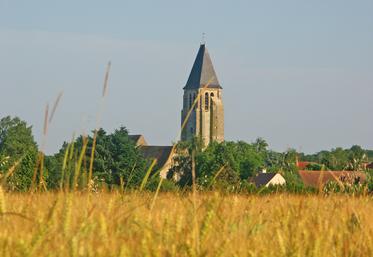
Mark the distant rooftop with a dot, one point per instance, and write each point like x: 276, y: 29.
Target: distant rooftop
x: 262, y: 179
x: 161, y: 153
x: 138, y: 139
x: 316, y: 178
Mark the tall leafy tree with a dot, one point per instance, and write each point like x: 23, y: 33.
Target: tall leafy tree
x: 221, y: 164
x: 357, y: 157
x: 116, y: 160
x: 17, y: 144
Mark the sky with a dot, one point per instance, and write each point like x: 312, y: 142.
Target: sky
x: 297, y: 73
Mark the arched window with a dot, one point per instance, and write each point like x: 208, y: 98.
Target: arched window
x: 190, y: 101
x: 207, y: 101
x: 212, y: 95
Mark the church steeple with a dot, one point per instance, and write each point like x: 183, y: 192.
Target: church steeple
x: 202, y: 71
x: 205, y: 118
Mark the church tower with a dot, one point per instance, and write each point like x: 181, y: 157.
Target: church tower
x: 206, y: 118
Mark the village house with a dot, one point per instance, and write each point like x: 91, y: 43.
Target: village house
x: 265, y: 179
x: 163, y: 155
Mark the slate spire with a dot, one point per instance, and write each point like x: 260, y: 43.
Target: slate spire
x: 202, y: 71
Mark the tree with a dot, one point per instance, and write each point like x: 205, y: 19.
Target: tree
x: 17, y: 144
x: 116, y: 160
x: 357, y: 156
x: 260, y: 145
x: 222, y: 165
x: 125, y: 160
x: 181, y: 171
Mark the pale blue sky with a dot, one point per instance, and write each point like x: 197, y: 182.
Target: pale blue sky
x: 297, y: 73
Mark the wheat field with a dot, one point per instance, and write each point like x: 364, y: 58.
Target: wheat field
x: 208, y: 224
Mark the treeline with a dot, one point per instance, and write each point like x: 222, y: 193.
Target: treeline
x: 112, y: 161
x: 354, y: 158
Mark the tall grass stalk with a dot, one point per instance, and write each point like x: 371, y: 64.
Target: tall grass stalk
x: 193, y: 106
x: 41, y: 155
x: 195, y: 220
x: 78, y: 165
x: 2, y: 201
x: 147, y: 174
x: 64, y: 163
x: 216, y: 175
x: 156, y: 194
x: 98, y: 120
x: 173, y: 150
x: 11, y: 170
x: 42, y: 184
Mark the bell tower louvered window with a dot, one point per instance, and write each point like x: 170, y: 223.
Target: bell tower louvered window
x: 207, y: 101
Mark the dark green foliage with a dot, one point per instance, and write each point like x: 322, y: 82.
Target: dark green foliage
x: 340, y: 159
x: 166, y: 186
x: 116, y: 159
x: 17, y: 144
x: 239, y: 159
x: 226, y: 166
x: 370, y: 183
x: 369, y: 155
x: 220, y: 165
x: 315, y: 166
x: 334, y: 187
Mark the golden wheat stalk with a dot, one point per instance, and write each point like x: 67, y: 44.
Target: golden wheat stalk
x: 104, y: 91
x: 216, y: 175
x: 181, y: 130
x: 79, y: 163
x: 187, y: 117
x: 40, y: 159
x: 55, y: 105
x: 64, y: 162
x: 145, y: 179
x: 156, y: 194
x: 42, y: 155
x: 11, y: 170
x: 193, y: 105
x: 2, y: 200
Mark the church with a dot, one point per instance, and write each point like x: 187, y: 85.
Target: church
x: 202, y: 114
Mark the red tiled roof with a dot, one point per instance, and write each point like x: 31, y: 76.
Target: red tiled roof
x: 315, y: 178
x: 302, y: 165
x: 370, y: 165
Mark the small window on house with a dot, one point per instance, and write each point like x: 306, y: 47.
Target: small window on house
x: 207, y: 101
x: 190, y: 101
x: 191, y: 130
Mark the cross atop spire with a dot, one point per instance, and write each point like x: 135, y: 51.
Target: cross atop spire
x: 202, y: 71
